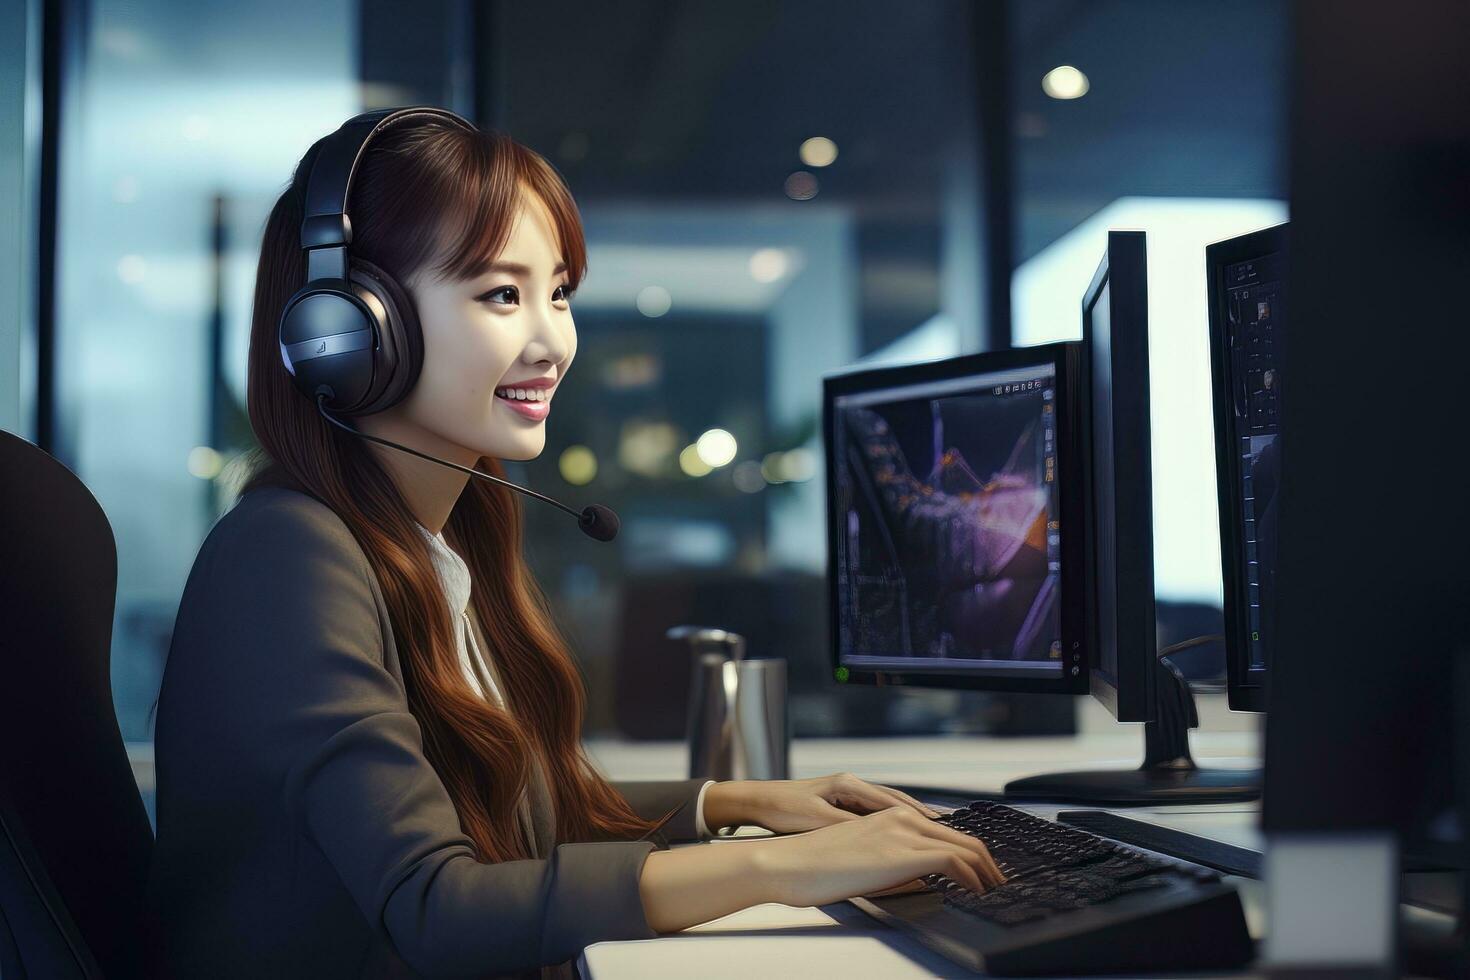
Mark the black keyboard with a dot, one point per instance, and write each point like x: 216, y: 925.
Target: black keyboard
x: 1072, y: 903
x: 1050, y: 867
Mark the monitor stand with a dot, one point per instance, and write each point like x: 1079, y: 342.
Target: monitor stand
x: 1168, y: 774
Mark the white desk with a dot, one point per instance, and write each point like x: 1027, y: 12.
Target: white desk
x: 838, y: 940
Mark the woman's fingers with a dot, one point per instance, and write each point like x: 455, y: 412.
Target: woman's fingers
x: 952, y: 865
x: 925, y: 810
x: 992, y: 872
x: 869, y: 796
x: 974, y: 847
x: 876, y: 797
x: 984, y: 867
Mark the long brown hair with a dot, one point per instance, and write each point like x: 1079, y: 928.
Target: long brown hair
x: 423, y: 184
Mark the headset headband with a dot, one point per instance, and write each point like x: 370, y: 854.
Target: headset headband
x: 326, y: 229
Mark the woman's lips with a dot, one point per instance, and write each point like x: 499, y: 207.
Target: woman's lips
x: 531, y: 410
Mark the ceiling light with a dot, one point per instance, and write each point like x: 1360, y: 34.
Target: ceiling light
x: 1065, y: 82
x: 801, y: 186
x: 818, y: 151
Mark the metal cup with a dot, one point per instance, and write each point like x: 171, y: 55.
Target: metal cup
x: 712, y: 694
x: 762, y: 740
x: 737, y: 722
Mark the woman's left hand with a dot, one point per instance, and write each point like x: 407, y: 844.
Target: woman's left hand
x: 793, y: 805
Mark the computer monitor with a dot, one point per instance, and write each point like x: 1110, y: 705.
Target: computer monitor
x: 953, y: 523
x: 1248, y: 314
x: 936, y: 572
x: 1126, y: 671
x: 1118, y: 469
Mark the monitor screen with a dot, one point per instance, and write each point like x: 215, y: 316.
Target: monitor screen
x: 1252, y: 319
x: 948, y: 526
x: 1248, y: 300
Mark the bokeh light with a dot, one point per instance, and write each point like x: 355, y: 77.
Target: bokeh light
x: 654, y: 301
x: 818, y: 151
x: 801, y: 186
x: 1065, y: 82
x: 690, y: 462
x: 205, y: 462
x: 578, y: 465
x: 768, y: 264
x: 716, y: 447
x: 798, y: 465
x: 747, y: 477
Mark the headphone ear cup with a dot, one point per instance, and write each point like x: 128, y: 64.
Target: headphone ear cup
x: 400, y: 354
x: 327, y: 339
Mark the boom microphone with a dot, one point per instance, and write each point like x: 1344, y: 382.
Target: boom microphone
x: 595, y: 520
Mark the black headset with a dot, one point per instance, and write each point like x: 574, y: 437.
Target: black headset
x: 351, y: 332
x: 350, y: 338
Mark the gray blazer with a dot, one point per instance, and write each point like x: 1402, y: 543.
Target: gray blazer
x: 300, y: 830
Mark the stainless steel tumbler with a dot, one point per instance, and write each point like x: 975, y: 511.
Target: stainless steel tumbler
x: 737, y: 725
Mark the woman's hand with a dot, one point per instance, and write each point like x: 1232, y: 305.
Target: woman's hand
x: 793, y: 805
x: 882, y: 852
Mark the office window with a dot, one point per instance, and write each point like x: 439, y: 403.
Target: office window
x: 183, y: 124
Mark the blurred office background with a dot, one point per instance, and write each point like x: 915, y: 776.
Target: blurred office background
x: 771, y: 190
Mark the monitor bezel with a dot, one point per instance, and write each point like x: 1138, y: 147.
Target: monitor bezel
x: 1132, y: 695
x: 1242, y: 692
x: 1064, y: 359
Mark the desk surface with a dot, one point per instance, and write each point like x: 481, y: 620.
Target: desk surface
x: 838, y: 940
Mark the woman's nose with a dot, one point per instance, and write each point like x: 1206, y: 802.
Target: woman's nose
x: 549, y: 341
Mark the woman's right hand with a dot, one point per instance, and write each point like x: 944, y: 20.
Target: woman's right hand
x: 870, y: 853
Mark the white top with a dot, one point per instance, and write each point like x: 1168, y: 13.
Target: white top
x: 454, y: 576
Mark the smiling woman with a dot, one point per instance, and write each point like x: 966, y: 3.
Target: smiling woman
x: 326, y: 724
x: 497, y: 343
x: 368, y: 756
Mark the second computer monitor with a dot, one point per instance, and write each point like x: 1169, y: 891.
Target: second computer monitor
x: 1118, y: 469
x: 953, y: 517
x: 1247, y: 283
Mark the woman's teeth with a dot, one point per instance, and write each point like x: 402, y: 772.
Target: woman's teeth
x: 523, y: 394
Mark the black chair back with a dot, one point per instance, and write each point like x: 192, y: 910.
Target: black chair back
x: 75, y: 841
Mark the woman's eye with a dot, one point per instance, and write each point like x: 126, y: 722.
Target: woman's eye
x: 561, y: 295
x: 512, y: 294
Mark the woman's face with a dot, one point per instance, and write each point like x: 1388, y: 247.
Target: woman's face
x: 492, y: 341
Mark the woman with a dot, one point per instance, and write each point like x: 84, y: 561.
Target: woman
x: 368, y: 754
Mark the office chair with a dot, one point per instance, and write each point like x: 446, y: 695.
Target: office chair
x: 75, y: 841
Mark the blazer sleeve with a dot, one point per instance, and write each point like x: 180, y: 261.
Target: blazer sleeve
x: 297, y: 630
x: 652, y: 798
